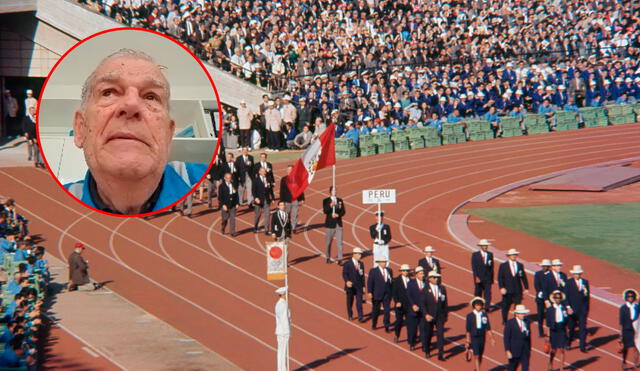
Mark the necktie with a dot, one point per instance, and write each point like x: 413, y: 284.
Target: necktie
x: 384, y: 274
x: 557, y: 278
x: 521, y: 326
x: 513, y: 268
x: 420, y: 285
x: 579, y: 285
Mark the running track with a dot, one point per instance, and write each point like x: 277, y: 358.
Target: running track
x: 213, y: 287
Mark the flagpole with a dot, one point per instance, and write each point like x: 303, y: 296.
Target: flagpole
x: 334, y: 176
x: 286, y: 284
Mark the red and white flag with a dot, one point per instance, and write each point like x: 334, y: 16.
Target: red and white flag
x: 320, y: 154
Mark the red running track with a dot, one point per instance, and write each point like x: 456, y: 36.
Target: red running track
x: 213, y: 287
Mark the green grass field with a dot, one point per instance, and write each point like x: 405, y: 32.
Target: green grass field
x: 609, y: 232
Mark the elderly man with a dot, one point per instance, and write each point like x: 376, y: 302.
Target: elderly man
x: 578, y: 298
x: 125, y: 129
x: 379, y: 292
x: 273, y: 122
x: 244, y: 124
x: 353, y: 276
x: 512, y: 281
x: 517, y: 339
x: 283, y: 329
x: 482, y: 266
x: 79, y: 270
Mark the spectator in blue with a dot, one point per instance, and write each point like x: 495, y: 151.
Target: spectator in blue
x: 435, y: 122
x: 364, y: 129
x: 290, y: 133
x: 21, y: 253
x: 7, y: 245
x: 618, y: 89
x: 623, y: 99
x: 494, y: 122
x: 635, y: 89
x: 596, y: 102
x: 14, y: 353
x: 518, y: 112
x: 396, y: 125
x: 560, y: 97
x: 571, y: 107
x: 352, y: 133
x: 591, y: 93
x: 548, y: 111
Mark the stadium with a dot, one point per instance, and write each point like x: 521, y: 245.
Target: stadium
x: 510, y: 126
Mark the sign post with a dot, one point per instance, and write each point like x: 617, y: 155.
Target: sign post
x: 379, y: 196
x: 277, y: 264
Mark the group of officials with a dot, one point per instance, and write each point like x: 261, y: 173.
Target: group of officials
x: 420, y: 303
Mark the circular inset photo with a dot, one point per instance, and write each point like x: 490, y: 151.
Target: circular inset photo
x: 128, y: 122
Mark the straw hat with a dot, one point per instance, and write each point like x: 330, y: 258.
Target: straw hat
x: 474, y: 300
x: 357, y: 250
x: 484, y: 242
x: 513, y: 252
x: 556, y: 262
x: 564, y: 297
x: 405, y: 267
x: 545, y: 263
x: 419, y: 269
x: 577, y: 269
x: 434, y: 274
x: 521, y: 309
x: 429, y: 249
x: 627, y: 291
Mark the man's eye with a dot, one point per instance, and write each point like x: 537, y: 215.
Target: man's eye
x: 107, y: 92
x: 151, y: 96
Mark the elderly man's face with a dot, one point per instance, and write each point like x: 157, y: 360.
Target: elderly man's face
x: 125, y: 129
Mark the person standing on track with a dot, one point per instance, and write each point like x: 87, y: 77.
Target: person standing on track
x: 291, y: 206
x: 244, y: 164
x: 429, y: 262
x: 379, y: 289
x: 578, y: 298
x: 283, y: 329
x: 478, y: 327
x: 557, y: 317
x: 79, y: 270
x: 482, y: 267
x: 228, y: 201
x: 538, y: 284
x: 381, y: 234
x: 555, y: 280
x: 262, y: 198
x: 353, y: 276
x: 512, y: 281
x: 280, y: 225
x: 400, y: 299
x: 416, y: 292
x: 213, y: 180
x: 333, y: 208
x: 517, y: 340
x: 437, y: 313
x: 630, y: 326
x: 268, y: 168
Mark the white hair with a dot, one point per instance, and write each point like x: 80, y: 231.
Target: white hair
x: 122, y: 53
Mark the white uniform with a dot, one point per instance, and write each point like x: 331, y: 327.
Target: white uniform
x: 283, y: 331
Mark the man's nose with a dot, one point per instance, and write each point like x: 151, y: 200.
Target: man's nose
x: 130, y: 104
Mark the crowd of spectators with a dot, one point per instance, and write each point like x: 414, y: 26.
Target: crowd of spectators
x: 387, y: 65
x: 22, y: 295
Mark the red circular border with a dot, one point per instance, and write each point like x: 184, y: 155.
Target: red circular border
x: 213, y: 85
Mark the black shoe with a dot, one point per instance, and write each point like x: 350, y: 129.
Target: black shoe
x: 360, y: 319
x: 387, y: 330
x: 395, y: 339
x: 441, y: 357
x: 350, y: 318
x: 340, y: 263
x: 328, y: 261
x: 373, y: 327
x: 568, y: 347
x: 222, y: 231
x: 412, y: 347
x: 427, y: 354
x: 234, y: 234
x: 255, y: 230
x: 584, y: 350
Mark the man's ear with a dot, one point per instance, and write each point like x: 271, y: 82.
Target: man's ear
x: 78, y: 128
x: 172, y: 127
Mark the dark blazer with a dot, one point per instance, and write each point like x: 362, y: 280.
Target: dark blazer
x: 376, y: 285
x: 471, y: 327
x: 417, y: 297
x: 216, y: 171
x: 262, y: 191
x: 483, y: 271
x: 626, y: 323
x: 550, y: 285
x: 515, y: 340
x: 78, y: 269
x: 428, y: 268
x: 385, y: 233
x: 550, y: 318
x: 506, y: 280
x: 270, y: 176
x: 350, y: 273
x: 227, y: 198
x: 330, y: 221
x: 399, y: 293
x: 244, y: 169
x: 235, y: 176
x: 285, y: 192
x: 280, y: 226
x: 437, y: 307
x: 538, y: 283
x: 578, y: 300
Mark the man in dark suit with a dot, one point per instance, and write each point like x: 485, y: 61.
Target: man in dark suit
x: 214, y: 178
x: 555, y: 280
x: 353, y: 276
x: 517, y: 339
x: 538, y: 283
x: 280, y: 225
x: 401, y: 304
x: 578, y: 297
x: 262, y: 198
x: 333, y: 208
x: 380, y: 232
x: 482, y: 267
x: 379, y: 291
x: 512, y: 281
x: 429, y: 262
x: 263, y: 163
x: 416, y: 290
x: 244, y: 165
x: 291, y: 206
x: 228, y: 201
x: 437, y: 312
x: 230, y: 167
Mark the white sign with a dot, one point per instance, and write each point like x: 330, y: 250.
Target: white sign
x: 379, y: 196
x: 276, y: 261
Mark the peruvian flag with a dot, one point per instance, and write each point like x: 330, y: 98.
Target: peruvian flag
x: 320, y: 154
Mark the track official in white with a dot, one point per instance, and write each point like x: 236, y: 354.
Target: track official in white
x: 283, y: 329
x: 381, y: 234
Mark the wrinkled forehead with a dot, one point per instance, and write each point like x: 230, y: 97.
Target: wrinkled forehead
x: 131, y: 71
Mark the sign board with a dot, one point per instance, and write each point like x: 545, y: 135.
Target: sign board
x: 379, y: 196
x: 276, y: 261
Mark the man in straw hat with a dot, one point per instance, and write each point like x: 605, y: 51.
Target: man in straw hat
x: 379, y: 291
x: 554, y: 281
x: 353, y: 276
x: 416, y: 290
x: 477, y: 329
x: 436, y: 315
x: 630, y: 325
x: 400, y: 299
x: 538, y: 284
x: 517, y: 339
x: 429, y: 262
x: 482, y: 267
x: 557, y: 318
x: 512, y: 281
x: 578, y: 297
x: 283, y: 329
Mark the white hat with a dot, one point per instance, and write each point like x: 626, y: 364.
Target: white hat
x: 419, y: 269
x: 29, y: 91
x: 470, y: 94
x: 556, y: 262
x: 397, y: 105
x: 577, y: 269
x: 348, y: 123
x: 477, y: 298
x: 549, y: 88
x: 434, y: 274
x: 405, y: 267
x: 513, y: 252
x: 628, y: 79
x: 607, y: 82
x: 367, y: 118
x: 443, y: 99
x: 489, y: 60
x: 270, y: 103
x: 545, y: 263
x: 429, y: 249
x: 243, y: 101
x: 509, y: 64
x: 381, y: 259
x: 388, y: 102
x: 519, y: 91
x: 540, y: 87
x: 480, y: 94
x: 334, y: 111
x: 592, y: 82
x: 286, y: 97
x: 484, y: 242
x: 281, y: 290
x: 637, y: 79
x: 618, y: 79
x: 521, y: 309
x: 357, y: 250
x: 463, y: 96
x: 561, y: 87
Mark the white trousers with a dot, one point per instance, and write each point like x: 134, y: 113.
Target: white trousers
x: 283, y: 352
